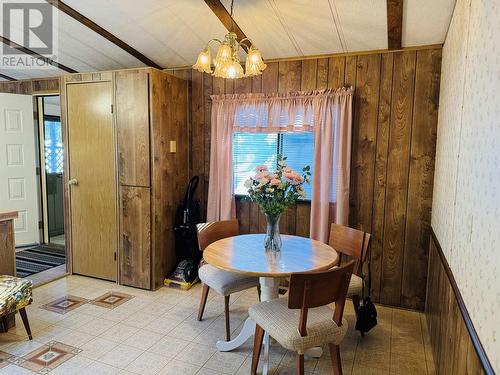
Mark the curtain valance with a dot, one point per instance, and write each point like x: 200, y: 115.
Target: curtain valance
x: 276, y: 112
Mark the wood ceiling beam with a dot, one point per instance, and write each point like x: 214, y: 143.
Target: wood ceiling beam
x: 36, y: 55
x: 394, y: 23
x: 8, y: 78
x: 225, y: 17
x: 102, y: 32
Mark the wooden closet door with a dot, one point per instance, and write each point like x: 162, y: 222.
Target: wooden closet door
x: 135, y: 233
x: 132, y: 123
x: 92, y: 164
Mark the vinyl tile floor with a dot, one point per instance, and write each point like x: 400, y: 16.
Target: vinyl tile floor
x: 158, y: 333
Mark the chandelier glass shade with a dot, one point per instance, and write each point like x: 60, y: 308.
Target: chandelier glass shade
x: 227, y: 63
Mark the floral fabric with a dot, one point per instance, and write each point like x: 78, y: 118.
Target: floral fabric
x: 15, y: 293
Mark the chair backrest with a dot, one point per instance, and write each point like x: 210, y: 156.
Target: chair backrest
x: 351, y: 242
x: 214, y: 231
x: 314, y: 289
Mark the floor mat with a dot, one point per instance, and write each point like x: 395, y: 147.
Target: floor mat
x: 39, y: 258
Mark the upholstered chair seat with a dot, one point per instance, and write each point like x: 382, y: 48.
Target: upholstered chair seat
x: 355, y: 286
x: 281, y: 323
x: 225, y: 283
x: 304, y: 319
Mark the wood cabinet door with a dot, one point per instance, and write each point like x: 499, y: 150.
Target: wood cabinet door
x: 132, y: 122
x: 92, y: 179
x: 135, y: 237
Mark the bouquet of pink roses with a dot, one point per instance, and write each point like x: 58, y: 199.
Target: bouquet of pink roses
x: 277, y: 190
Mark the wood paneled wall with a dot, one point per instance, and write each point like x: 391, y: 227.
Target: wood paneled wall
x: 34, y: 86
x: 394, y: 135
x: 453, y: 347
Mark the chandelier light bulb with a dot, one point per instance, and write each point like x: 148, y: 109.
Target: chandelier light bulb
x: 203, y: 62
x: 226, y: 62
x: 223, y: 54
x: 254, y: 64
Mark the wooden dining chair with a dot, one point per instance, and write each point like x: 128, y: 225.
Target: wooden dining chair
x: 223, y: 282
x: 313, y: 325
x: 354, y: 244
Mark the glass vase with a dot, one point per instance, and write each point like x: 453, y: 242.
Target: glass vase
x: 272, y: 241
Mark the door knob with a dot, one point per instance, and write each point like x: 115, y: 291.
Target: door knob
x: 73, y: 181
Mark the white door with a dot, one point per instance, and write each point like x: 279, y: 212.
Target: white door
x: 18, y: 182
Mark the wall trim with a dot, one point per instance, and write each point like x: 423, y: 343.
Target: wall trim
x: 478, y: 346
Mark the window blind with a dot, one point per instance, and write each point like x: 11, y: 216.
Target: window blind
x: 249, y: 151
x: 299, y: 151
x: 252, y: 149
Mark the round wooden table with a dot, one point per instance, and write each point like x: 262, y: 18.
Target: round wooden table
x: 245, y: 254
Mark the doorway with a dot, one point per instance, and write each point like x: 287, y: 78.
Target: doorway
x: 46, y: 258
x: 52, y: 163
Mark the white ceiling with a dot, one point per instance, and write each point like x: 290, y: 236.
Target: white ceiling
x: 426, y: 21
x: 171, y: 33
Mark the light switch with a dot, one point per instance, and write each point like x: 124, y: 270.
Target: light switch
x: 173, y: 146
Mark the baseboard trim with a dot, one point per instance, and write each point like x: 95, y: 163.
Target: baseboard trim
x: 476, y: 342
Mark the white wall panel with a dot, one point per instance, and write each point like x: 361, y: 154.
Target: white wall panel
x: 168, y: 32
x: 260, y: 22
x: 364, y: 23
x: 84, y: 50
x: 426, y: 21
x: 466, y: 203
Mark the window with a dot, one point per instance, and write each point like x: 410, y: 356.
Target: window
x: 252, y: 149
x: 53, y: 147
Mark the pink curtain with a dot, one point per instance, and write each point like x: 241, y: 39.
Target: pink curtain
x: 328, y: 113
x: 332, y: 161
x: 221, y: 204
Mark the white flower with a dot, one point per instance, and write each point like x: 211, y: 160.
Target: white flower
x: 248, y: 183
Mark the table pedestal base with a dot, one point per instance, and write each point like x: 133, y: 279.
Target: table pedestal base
x: 268, y: 291
x: 246, y: 332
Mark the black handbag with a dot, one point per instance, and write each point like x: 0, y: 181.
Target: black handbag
x: 366, y: 317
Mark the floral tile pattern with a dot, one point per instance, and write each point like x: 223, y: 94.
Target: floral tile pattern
x: 111, y: 300
x: 47, y: 357
x: 64, y: 304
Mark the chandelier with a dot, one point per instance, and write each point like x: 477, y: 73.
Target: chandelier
x: 227, y: 63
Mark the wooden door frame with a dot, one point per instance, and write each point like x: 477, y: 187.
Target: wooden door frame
x: 40, y: 134
x: 64, y: 82
x: 39, y: 123
x: 37, y: 99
